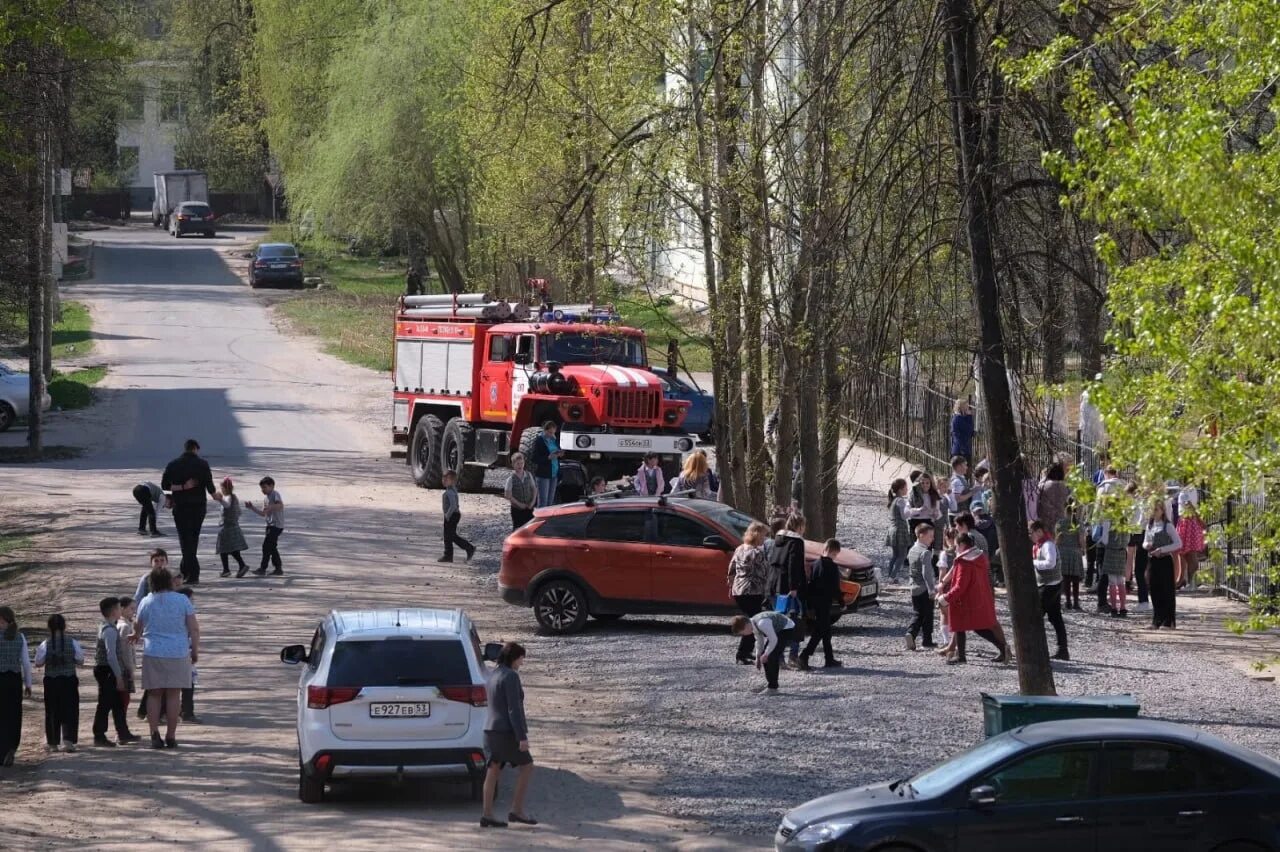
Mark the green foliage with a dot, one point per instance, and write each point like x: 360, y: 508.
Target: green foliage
x: 352, y: 314
x: 75, y: 390
x: 72, y: 336
x: 1179, y: 162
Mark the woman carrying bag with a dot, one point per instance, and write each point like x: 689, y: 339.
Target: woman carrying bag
x: 790, y: 578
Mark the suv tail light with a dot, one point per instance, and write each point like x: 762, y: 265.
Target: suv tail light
x: 320, y: 697
x: 476, y: 696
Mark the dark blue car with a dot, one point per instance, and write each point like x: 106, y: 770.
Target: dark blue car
x: 702, y: 405
x: 1083, y: 785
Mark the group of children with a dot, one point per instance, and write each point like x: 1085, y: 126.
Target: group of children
x: 231, y: 542
x: 61, y: 657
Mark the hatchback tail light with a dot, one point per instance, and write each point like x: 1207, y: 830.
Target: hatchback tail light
x: 476, y: 696
x: 320, y: 697
x: 182, y: 217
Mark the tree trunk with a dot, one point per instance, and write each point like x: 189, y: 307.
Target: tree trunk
x: 973, y: 123
x: 48, y: 280
x: 756, y: 465
x: 35, y: 311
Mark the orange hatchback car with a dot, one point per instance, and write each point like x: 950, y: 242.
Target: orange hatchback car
x: 652, y: 555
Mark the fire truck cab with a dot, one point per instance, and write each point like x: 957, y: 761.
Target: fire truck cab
x: 476, y: 381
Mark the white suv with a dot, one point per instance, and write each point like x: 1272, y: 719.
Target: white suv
x: 390, y: 693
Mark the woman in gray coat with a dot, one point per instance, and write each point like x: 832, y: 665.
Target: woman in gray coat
x: 506, y: 737
x: 230, y: 537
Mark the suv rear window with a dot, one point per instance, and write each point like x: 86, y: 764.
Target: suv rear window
x: 564, y: 526
x: 399, y: 662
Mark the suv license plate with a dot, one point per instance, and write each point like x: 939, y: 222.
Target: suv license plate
x: 400, y: 710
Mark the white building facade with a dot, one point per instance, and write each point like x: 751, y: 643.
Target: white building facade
x: 146, y: 138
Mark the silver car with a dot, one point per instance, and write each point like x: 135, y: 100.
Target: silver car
x: 15, y: 395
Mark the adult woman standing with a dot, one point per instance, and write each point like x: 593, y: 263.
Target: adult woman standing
x: 695, y: 476
x: 170, y: 636
x: 971, y: 604
x: 506, y: 737
x: 1052, y: 495
x: 15, y: 684
x: 545, y: 457
x: 521, y: 491
x: 1191, y: 531
x: 790, y: 580
x: 962, y: 430
x: 1160, y: 540
x: 749, y: 581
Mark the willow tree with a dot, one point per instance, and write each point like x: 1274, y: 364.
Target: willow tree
x: 1178, y: 161
x: 386, y: 157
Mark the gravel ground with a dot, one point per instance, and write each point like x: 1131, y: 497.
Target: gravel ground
x: 737, y: 761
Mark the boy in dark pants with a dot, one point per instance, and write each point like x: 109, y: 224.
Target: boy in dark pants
x: 772, y: 631
x: 822, y: 593
x: 273, y: 510
x: 451, y: 509
x: 188, y: 711
x: 110, y: 677
x: 150, y: 497
x: 923, y: 587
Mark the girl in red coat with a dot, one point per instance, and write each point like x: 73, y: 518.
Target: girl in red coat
x: 971, y: 605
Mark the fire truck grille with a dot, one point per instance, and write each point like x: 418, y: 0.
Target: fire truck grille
x: 627, y: 407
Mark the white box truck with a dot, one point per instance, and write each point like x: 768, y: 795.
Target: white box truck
x: 173, y: 188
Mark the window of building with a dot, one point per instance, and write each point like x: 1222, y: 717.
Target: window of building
x: 127, y: 162
x: 173, y: 106
x: 135, y: 101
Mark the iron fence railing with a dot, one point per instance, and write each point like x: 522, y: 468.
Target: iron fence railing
x: 911, y: 420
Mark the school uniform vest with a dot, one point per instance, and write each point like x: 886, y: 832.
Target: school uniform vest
x: 10, y: 654
x: 1051, y: 576
x: 64, y: 667
x: 100, y: 657
x: 779, y: 621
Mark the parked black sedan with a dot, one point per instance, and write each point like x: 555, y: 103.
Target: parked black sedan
x: 275, y: 263
x: 1084, y: 785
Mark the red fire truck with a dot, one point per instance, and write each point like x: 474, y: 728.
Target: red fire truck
x: 476, y: 378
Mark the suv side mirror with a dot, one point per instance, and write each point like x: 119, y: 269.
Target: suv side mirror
x: 523, y: 359
x: 716, y: 541
x: 982, y: 797
x: 294, y: 654
x: 491, y: 651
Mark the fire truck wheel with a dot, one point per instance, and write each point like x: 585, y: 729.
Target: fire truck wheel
x: 527, y: 437
x: 560, y: 607
x: 458, y: 446
x: 424, y: 451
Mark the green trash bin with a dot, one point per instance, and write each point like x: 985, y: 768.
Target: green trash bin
x: 1002, y: 713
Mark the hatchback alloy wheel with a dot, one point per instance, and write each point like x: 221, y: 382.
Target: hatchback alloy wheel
x: 561, y: 607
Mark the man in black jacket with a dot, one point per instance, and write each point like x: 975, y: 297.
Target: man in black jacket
x: 187, y: 477
x: 823, y: 592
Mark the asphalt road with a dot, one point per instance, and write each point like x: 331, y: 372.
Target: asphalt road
x: 194, y: 353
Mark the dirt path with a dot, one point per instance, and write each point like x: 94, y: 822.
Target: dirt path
x: 194, y: 353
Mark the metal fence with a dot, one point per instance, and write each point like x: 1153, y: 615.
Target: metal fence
x: 911, y: 420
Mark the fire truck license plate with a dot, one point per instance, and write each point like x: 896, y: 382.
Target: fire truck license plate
x: 635, y: 443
